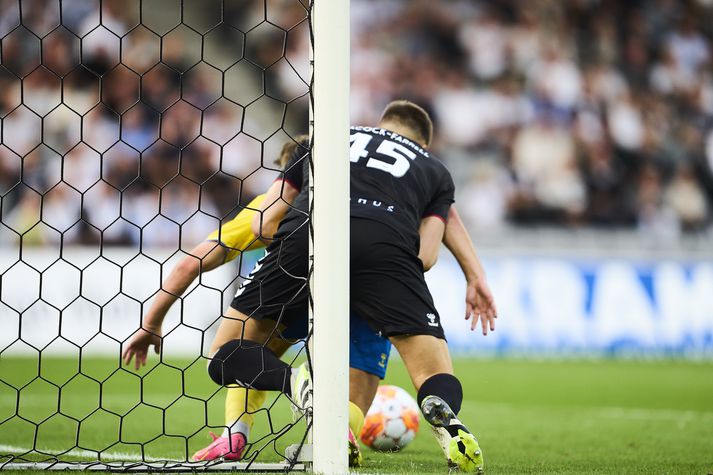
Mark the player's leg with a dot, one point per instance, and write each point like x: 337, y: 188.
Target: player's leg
x: 388, y: 288
x: 368, y: 353
x: 275, y: 291
x: 241, y: 404
x: 362, y: 390
x: 424, y: 356
x: 249, y: 362
x: 368, y: 359
x: 440, y: 396
x: 236, y: 325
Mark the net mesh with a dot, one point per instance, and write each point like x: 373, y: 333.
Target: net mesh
x: 130, y: 129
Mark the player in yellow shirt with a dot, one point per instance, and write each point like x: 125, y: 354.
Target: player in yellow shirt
x: 235, y: 236
x: 369, y: 352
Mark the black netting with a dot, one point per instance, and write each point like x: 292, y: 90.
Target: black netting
x: 129, y: 130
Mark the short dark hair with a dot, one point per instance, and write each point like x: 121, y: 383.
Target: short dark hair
x: 412, y: 116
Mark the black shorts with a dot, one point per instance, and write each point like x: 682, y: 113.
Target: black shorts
x: 387, y: 285
x: 278, y: 286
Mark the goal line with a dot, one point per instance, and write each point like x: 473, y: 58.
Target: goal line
x: 142, y: 467
x: 128, y: 462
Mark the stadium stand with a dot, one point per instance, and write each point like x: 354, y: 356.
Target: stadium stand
x: 612, y: 130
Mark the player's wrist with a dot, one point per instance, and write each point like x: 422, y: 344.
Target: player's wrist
x: 151, y: 325
x: 474, y: 273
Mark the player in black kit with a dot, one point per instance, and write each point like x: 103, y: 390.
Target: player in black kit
x: 397, y: 187
x: 401, y: 199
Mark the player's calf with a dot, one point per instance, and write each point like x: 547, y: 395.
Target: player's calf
x: 248, y: 364
x: 440, y: 398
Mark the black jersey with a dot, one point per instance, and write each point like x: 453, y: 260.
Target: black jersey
x: 396, y: 182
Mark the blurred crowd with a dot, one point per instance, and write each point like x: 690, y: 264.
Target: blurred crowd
x: 548, y: 113
x: 554, y: 113
x: 130, y: 132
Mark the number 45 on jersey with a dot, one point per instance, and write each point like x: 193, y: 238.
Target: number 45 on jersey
x: 390, y: 157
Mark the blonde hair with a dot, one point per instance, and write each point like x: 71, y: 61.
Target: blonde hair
x: 290, y: 148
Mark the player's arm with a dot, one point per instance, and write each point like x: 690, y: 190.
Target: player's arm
x: 277, y: 201
x: 434, y: 220
x: 479, y: 300
x: 431, y: 234
x: 204, y: 257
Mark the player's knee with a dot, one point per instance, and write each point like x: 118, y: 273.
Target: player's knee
x: 446, y: 386
x: 215, y: 366
x: 226, y: 360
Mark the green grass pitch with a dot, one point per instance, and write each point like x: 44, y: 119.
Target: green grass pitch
x: 549, y: 416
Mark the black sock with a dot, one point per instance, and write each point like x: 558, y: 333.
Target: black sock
x: 250, y: 364
x: 448, y: 388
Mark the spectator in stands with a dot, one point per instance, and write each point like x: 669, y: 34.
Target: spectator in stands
x: 626, y: 88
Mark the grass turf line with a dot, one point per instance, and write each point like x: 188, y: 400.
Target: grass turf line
x: 579, y: 416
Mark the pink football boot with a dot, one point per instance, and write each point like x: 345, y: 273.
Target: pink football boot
x: 222, y: 447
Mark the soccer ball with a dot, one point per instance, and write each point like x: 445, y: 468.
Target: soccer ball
x: 392, y: 421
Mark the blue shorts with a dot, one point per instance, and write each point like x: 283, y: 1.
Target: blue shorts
x: 368, y: 351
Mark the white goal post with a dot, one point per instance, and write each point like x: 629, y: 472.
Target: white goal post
x: 330, y: 244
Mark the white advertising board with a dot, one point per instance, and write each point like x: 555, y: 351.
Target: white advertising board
x: 546, y: 305
x: 575, y: 305
x: 96, y: 302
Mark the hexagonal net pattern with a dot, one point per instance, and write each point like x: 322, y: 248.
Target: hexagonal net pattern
x: 129, y: 130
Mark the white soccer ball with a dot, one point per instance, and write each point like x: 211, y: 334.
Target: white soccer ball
x: 392, y: 421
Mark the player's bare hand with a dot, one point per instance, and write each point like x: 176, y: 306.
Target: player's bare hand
x: 480, y: 305
x: 138, y: 346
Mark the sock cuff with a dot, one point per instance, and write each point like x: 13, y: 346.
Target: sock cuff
x: 237, y: 427
x: 444, y: 385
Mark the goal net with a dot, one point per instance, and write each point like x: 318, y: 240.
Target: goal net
x: 129, y: 131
